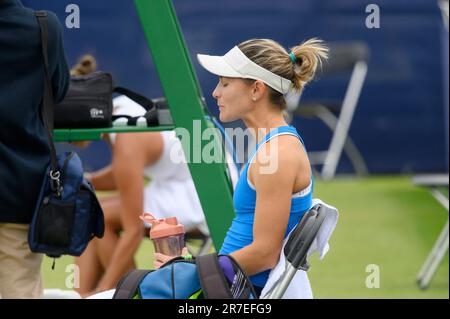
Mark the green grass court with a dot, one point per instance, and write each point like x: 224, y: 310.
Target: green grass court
x: 386, y: 221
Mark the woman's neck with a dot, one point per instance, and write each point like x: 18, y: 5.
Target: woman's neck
x: 261, y: 123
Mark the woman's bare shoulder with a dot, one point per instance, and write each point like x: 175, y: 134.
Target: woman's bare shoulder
x: 285, y: 147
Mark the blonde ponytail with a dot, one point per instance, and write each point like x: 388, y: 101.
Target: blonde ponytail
x: 86, y: 65
x: 309, y: 55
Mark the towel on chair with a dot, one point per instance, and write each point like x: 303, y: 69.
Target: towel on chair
x: 299, y: 287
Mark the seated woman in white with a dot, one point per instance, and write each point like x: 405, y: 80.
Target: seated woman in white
x: 170, y: 192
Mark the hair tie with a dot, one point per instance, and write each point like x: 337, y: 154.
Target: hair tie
x: 292, y: 57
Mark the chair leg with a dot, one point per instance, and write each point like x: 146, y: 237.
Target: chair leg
x: 356, y: 158
x: 345, y: 119
x: 280, y: 287
x: 434, y: 259
x: 350, y: 148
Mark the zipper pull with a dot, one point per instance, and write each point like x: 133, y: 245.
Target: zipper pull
x: 53, y: 265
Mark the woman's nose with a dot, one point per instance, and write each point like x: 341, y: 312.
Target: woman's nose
x: 215, y: 93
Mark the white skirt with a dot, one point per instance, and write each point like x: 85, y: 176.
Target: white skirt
x: 175, y: 198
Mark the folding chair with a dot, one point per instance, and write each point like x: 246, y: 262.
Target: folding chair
x: 297, y: 247
x: 344, y: 58
x: 436, y: 184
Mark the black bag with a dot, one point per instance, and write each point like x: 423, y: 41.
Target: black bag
x: 88, y: 103
x: 67, y: 214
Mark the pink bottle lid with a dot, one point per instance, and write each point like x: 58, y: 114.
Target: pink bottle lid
x: 164, y: 227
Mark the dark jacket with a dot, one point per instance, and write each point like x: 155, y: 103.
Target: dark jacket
x: 24, y: 150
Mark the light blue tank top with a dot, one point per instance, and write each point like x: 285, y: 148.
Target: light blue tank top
x: 240, y: 234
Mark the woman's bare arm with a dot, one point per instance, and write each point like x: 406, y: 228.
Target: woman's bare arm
x: 129, y: 160
x: 274, y: 189
x: 103, y: 180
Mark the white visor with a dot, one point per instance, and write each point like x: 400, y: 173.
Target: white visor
x: 235, y: 64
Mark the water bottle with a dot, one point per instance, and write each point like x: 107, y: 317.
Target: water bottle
x: 166, y: 234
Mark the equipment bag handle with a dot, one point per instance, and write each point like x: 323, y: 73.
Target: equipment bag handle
x: 127, y: 287
x: 47, y: 103
x: 212, y: 279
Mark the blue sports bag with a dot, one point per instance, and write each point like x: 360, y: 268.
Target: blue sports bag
x: 199, y: 278
x: 67, y: 214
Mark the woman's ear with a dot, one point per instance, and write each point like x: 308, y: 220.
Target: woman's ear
x: 258, y: 90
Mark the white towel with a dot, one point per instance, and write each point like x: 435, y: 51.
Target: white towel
x: 107, y: 294
x: 300, y: 288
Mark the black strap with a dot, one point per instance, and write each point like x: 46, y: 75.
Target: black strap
x: 47, y: 105
x: 127, y: 287
x: 212, y: 279
x: 146, y: 103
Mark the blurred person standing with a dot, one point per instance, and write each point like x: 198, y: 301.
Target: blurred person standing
x: 24, y: 147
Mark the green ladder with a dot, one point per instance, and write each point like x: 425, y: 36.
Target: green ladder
x: 183, y: 94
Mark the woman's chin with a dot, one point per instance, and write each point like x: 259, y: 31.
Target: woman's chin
x: 224, y: 118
